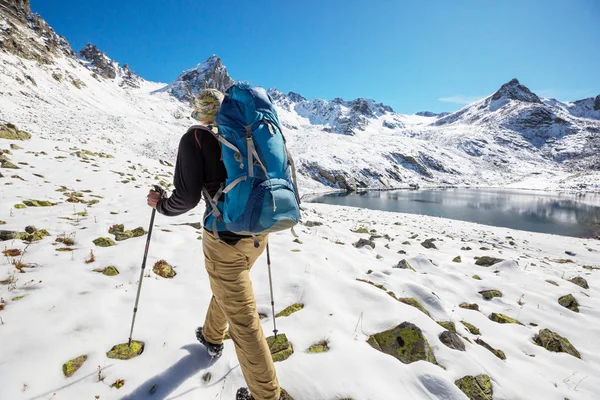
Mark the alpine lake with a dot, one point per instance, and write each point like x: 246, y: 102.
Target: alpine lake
x: 559, y: 213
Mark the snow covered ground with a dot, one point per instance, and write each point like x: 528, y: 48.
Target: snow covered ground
x: 58, y: 308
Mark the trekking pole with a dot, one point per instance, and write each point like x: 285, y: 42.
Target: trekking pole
x: 271, y: 287
x: 159, y: 190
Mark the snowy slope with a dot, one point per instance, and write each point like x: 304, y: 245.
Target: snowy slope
x: 58, y: 308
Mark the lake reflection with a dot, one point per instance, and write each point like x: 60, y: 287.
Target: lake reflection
x: 558, y: 213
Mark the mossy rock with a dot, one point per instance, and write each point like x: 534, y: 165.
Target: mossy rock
x: 503, y: 319
x: 469, y: 306
x: 405, y: 342
x: 411, y: 301
x: 7, y: 164
x: 20, y: 206
x: 403, y: 264
x: 476, y: 277
x: 70, y: 367
x: 428, y: 244
x: 139, y: 231
x: 457, y: 259
x: 31, y: 203
x: 579, y: 281
x: 118, y: 383
x: 116, y: 228
x: 280, y: 347
x: 104, y: 242
x: 490, y: 294
x: 487, y: 261
x: 552, y: 341
x: 15, y: 146
x: 124, y: 352
x: 360, y: 229
x: 163, y: 269
x: 498, y: 353
x: 108, y: 271
x: 2, y: 222
x: 120, y: 236
x: 10, y: 132
x: 449, y: 325
x: 321, y: 347
x: 476, y: 387
x: 551, y: 282
x: 297, y: 241
x: 570, y: 302
x: 30, y: 229
x: 471, y: 328
x: 364, y: 242
x: 290, y: 310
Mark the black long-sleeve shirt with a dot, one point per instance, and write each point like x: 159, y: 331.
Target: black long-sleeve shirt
x: 198, y: 164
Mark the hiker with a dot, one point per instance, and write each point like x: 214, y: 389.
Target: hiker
x: 228, y: 256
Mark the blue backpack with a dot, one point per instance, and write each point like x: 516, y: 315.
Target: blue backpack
x: 260, y: 194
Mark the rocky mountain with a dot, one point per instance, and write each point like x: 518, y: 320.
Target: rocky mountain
x: 431, y: 114
x: 512, y: 137
x: 106, y: 68
x: 210, y: 74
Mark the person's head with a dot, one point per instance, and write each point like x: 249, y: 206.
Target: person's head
x: 207, y: 105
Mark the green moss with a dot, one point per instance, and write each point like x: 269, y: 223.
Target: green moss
x: 10, y: 132
x: 569, y: 302
x: 457, y: 259
x: 2, y: 222
x: 17, y: 298
x: 7, y: 164
x: 551, y: 282
x: 469, y: 306
x: 490, y: 294
x: 321, y: 347
x: 449, y: 325
x: 120, y: 236
x: 487, y: 261
x: 20, y: 206
x: 163, y: 269
x: 124, y: 352
x: 404, y: 342
x: 31, y: 203
x: 70, y: 367
x: 503, y: 319
x: 297, y: 241
x: 471, y: 328
x: 411, y: 301
x: 104, y: 242
x: 290, y: 310
x: 45, y: 203
x: 476, y: 387
x: 360, y: 229
x: 118, y: 383
x: 552, y: 341
x: 498, y: 353
x: 108, y: 271
x: 139, y: 231
x: 116, y: 228
x: 280, y: 347
x: 64, y: 249
x: 476, y: 277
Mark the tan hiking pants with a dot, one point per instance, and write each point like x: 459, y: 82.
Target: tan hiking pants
x: 233, y: 303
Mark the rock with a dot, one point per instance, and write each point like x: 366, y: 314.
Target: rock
x: 290, y: 310
x: 10, y: 132
x: 70, y: 367
x: 116, y: 228
x: 411, y: 301
x: 490, y: 294
x: 467, y: 306
x: 476, y: 277
x: 124, y: 352
x: 139, y: 231
x: 119, y: 383
x: 20, y: 206
x: 310, y: 224
x: 195, y: 225
x: 163, y: 269
x: 551, y: 282
x: 104, y: 242
x: 466, y: 248
x: 206, y: 378
x: 579, y: 281
x: 30, y: 229
x: 487, y: 261
x: 108, y: 271
x: 403, y: 264
x: 364, y: 242
x: 570, y: 253
x: 569, y: 302
x: 280, y: 347
x: 404, y: 342
x: 7, y: 164
x: 476, y: 387
x: 471, y: 328
x: 8, y: 235
x: 457, y: 259
x: 15, y: 146
x: 120, y: 236
x: 503, y: 319
x: 498, y: 353
x: 449, y: 325
x: 428, y: 244
x: 452, y: 340
x: 298, y: 241
x: 552, y: 341
x: 321, y: 347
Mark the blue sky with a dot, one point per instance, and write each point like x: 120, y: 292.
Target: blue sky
x: 413, y: 55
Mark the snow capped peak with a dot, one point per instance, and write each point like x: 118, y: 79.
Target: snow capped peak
x: 513, y: 90
x: 209, y: 74
x: 296, y: 98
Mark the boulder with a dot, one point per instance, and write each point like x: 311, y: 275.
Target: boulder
x: 404, y: 342
x: 457, y: 259
x: 163, y: 269
x: 428, y: 244
x: 403, y: 264
x: 552, y: 341
x: 476, y: 387
x: 490, y: 294
x: 104, y: 242
x: 280, y: 347
x: 452, y: 340
x: 8, y: 235
x: 125, y: 352
x: 487, y: 261
x: 579, y: 281
x: 364, y: 242
x: 570, y: 302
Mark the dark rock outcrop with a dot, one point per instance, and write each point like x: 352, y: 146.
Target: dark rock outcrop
x: 405, y: 342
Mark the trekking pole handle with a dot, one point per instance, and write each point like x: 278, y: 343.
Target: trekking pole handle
x: 160, y: 191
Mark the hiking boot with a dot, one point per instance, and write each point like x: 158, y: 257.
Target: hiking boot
x: 214, y: 350
x: 244, y: 394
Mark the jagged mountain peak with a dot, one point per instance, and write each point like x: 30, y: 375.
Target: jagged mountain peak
x: 18, y: 8
x: 209, y: 74
x: 104, y: 66
x: 514, y: 90
x: 597, y: 103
